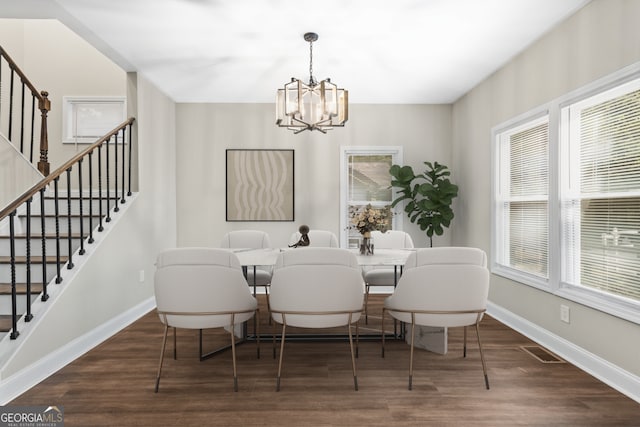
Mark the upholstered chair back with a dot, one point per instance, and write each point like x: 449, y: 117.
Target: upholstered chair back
x: 439, y: 280
x: 317, y: 239
x: 316, y: 281
x: 201, y: 280
x: 392, y: 239
x: 447, y: 255
x: 254, y: 239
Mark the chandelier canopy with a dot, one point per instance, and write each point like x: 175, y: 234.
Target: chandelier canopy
x: 311, y: 106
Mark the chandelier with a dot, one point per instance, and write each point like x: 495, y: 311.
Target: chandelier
x: 313, y: 106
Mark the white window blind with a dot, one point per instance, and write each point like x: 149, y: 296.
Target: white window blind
x: 601, y: 197
x: 523, y: 198
x: 566, y: 196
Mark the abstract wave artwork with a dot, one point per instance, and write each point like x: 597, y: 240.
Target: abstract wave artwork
x: 260, y: 185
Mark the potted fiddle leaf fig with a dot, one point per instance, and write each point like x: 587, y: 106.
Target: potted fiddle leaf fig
x: 429, y: 196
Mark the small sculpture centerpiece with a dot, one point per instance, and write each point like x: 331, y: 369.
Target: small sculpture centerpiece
x: 304, y: 237
x: 366, y: 219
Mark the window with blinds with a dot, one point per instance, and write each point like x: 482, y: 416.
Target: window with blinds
x: 601, y: 193
x: 522, y: 206
x: 566, y: 196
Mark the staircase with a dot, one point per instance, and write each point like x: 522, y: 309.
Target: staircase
x: 42, y: 231
x: 46, y: 253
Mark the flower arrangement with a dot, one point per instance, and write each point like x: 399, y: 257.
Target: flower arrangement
x: 367, y: 218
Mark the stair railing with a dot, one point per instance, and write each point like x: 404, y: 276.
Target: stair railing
x: 109, y: 194
x: 17, y: 113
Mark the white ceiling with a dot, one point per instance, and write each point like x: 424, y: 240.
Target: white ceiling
x: 382, y: 51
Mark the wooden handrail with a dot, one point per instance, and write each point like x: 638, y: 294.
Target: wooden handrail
x: 62, y: 169
x: 23, y: 77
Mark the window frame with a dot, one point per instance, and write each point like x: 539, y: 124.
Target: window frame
x: 619, y: 306
x: 70, y: 106
x: 345, y: 151
x: 498, y: 134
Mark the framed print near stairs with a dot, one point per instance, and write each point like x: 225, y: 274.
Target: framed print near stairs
x: 260, y: 185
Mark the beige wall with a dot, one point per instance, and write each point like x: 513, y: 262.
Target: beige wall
x: 205, y: 131
x: 598, y: 40
x: 58, y: 61
x: 12, y: 39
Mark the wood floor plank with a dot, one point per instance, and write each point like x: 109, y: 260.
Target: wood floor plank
x: 112, y: 385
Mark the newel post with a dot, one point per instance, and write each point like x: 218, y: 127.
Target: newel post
x: 44, y: 105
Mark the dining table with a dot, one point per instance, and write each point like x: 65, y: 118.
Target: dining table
x: 267, y: 257
x: 252, y: 258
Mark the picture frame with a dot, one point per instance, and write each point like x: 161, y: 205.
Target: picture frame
x: 260, y: 184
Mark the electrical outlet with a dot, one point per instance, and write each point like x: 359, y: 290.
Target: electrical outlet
x: 141, y: 276
x: 564, y: 313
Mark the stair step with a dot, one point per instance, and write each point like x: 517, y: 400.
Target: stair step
x: 21, y: 288
x: 35, y: 247
x: 34, y: 259
x: 23, y: 236
x: 5, y: 323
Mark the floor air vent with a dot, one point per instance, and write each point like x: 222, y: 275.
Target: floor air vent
x: 541, y: 354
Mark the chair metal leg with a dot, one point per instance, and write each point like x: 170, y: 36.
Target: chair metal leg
x: 175, y: 345
x: 464, y: 347
x: 233, y: 353
x: 353, y: 359
x: 164, y: 343
x: 266, y: 292
x: 284, y: 326
x: 257, y: 312
x: 273, y: 336
x: 413, y: 334
x: 357, y: 338
x: 484, y: 366
x: 366, y: 304
x: 382, y: 326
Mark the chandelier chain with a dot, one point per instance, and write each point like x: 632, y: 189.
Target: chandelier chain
x: 311, y: 79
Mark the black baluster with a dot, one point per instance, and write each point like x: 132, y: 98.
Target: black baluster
x: 11, y: 105
x: 123, y: 167
x: 33, y: 122
x: 69, y: 236
x: 0, y: 85
x: 107, y: 167
x: 115, y: 171
x: 81, y: 252
x: 14, y: 296
x: 90, y: 197
x: 45, y: 295
x: 100, y: 227
x: 57, y: 220
x: 28, y: 316
x: 130, y: 144
x: 22, y: 120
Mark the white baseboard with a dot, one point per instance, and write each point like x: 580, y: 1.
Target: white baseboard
x: 16, y: 384
x: 610, y: 374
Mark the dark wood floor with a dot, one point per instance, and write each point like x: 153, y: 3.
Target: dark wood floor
x: 112, y: 385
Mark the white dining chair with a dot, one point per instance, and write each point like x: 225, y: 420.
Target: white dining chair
x: 317, y: 288
x: 317, y: 239
x: 251, y: 239
x: 384, y: 276
x: 441, y: 287
x: 201, y: 288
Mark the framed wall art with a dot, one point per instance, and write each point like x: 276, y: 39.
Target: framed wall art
x: 260, y: 185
